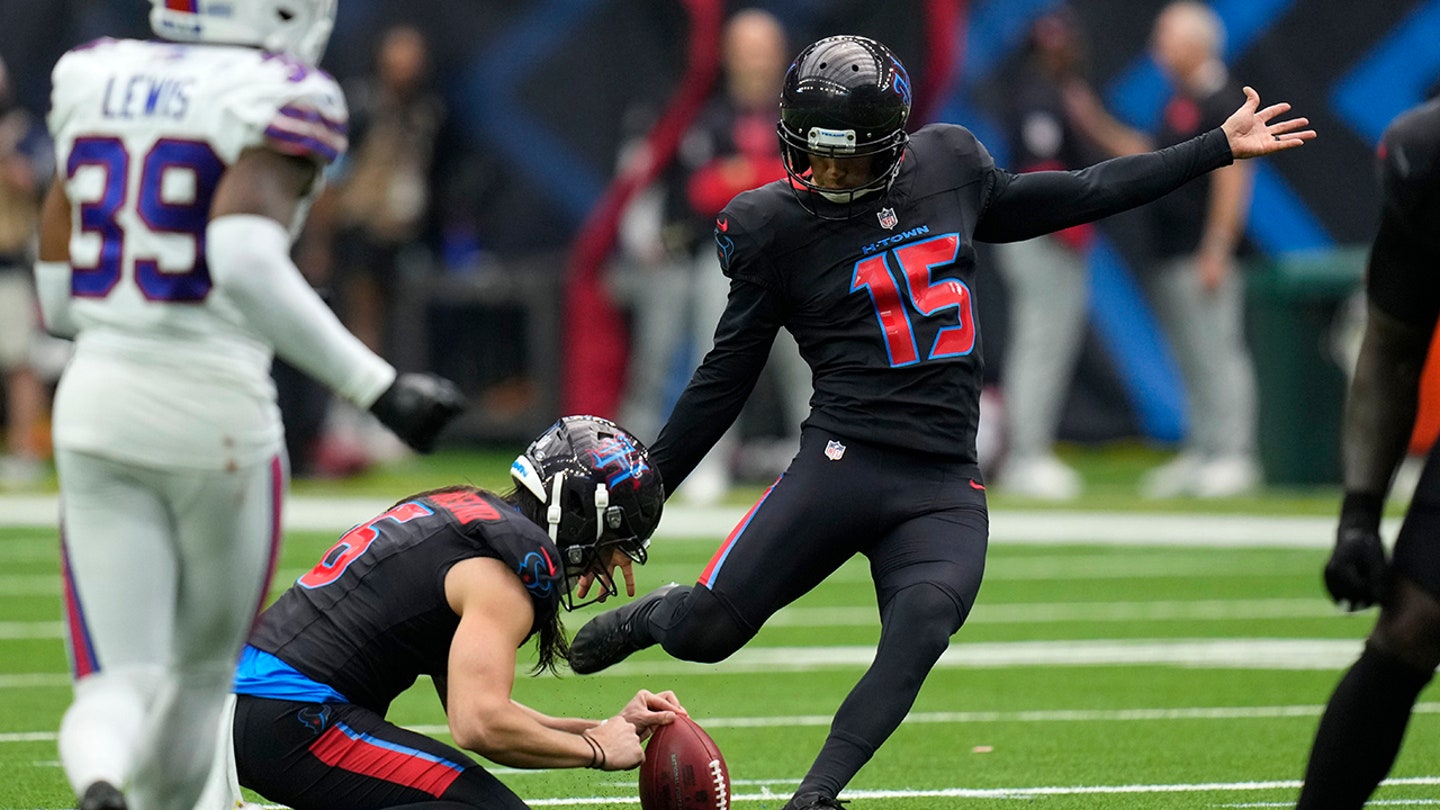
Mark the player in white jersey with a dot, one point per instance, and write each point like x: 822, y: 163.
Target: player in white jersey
x: 184, y: 170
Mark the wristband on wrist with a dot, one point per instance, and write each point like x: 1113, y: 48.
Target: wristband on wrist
x: 597, y: 754
x: 1361, y: 510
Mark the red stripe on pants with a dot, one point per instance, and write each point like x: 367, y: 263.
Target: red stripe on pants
x: 340, y: 750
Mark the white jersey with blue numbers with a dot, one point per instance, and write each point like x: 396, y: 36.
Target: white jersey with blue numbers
x: 166, y: 370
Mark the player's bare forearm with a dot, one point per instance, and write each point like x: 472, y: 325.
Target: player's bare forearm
x: 55, y: 224
x: 571, y: 725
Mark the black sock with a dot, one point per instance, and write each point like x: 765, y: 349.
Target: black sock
x: 1360, y: 733
x: 917, y: 625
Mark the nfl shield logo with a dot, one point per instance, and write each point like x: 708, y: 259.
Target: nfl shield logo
x: 834, y: 450
x: 888, y: 220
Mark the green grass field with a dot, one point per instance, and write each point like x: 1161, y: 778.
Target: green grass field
x: 1146, y: 675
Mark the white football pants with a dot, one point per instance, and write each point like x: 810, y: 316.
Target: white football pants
x: 165, y: 570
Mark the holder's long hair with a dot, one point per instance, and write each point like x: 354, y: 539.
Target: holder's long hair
x: 551, y: 645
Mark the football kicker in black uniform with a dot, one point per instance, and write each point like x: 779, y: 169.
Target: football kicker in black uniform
x: 866, y: 255
x: 1360, y: 733
x: 447, y: 583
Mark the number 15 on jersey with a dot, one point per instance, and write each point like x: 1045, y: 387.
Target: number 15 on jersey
x: 926, y: 297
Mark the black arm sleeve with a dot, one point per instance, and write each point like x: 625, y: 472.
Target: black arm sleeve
x: 1381, y: 404
x: 1024, y: 206
x: 714, y: 396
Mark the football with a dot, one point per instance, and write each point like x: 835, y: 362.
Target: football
x: 683, y: 770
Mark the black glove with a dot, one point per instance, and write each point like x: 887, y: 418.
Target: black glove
x: 417, y: 407
x: 1355, y: 574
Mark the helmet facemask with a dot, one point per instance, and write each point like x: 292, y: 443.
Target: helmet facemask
x: 885, y: 159
x: 588, y: 483
x: 845, y: 97
x: 579, y: 557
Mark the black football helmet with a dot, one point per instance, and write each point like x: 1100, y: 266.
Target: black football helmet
x: 590, y: 484
x: 844, y: 97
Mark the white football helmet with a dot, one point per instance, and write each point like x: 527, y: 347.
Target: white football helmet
x: 298, y: 28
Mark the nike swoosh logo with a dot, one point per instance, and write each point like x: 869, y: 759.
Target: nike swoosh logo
x: 974, y: 485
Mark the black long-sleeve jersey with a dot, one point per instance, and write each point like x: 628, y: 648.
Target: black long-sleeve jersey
x: 880, y: 304
x: 372, y: 615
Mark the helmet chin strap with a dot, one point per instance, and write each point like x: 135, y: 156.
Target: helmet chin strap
x: 552, y: 511
x: 602, y: 502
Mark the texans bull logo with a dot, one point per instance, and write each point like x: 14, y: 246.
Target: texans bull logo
x: 621, y: 460
x: 538, y: 573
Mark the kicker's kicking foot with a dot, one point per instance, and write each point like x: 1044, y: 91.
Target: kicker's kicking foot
x: 615, y: 634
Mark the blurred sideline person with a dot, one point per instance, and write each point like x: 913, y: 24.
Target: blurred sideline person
x: 26, y: 165
x: 448, y: 583
x: 865, y: 254
x: 1361, y: 731
x: 382, y: 192
x: 679, y: 289
x: 1193, y: 283
x: 366, y: 229
x: 1048, y: 277
x: 183, y: 169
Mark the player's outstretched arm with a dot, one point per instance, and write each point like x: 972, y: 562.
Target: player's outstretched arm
x: 247, y: 248
x: 248, y: 251
x: 1253, y: 132
x: 1379, y: 410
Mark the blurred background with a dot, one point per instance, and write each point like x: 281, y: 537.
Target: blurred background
x: 523, y: 207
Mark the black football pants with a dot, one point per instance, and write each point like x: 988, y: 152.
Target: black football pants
x: 337, y: 756
x: 921, y: 522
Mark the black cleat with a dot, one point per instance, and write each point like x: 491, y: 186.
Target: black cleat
x: 814, y: 803
x: 102, y: 796
x: 610, y: 638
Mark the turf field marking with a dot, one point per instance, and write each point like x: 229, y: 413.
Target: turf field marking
x: 1251, y: 654
x: 1371, y: 803
x: 1058, y: 568
x: 1064, y: 612
x: 17, y: 630
x: 31, y: 680
x: 1027, y: 716
x: 985, y: 613
x: 1003, y: 793
x: 30, y: 584
x: 308, y: 513
x: 1245, y: 654
x: 1129, y: 566
x: 29, y: 736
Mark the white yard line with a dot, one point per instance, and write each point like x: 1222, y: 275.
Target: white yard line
x: 307, y: 513
x: 1002, y: 793
x: 1200, y: 610
x: 1257, y: 654
x: 1026, y: 716
x: 1245, y: 654
x: 1371, y: 803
